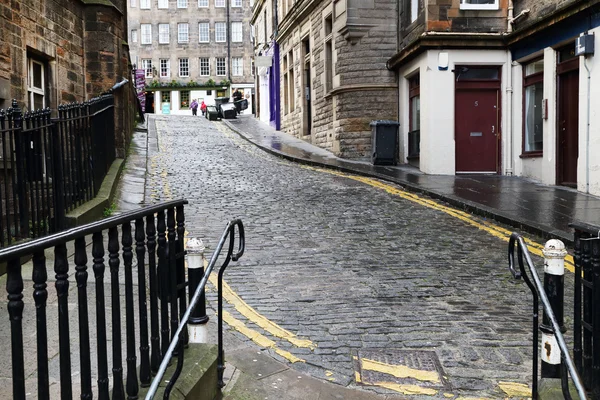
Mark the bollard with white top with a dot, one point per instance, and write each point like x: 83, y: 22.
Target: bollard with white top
x: 197, y: 324
x: 554, y: 273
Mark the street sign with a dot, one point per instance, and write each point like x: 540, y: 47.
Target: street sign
x: 263, y: 61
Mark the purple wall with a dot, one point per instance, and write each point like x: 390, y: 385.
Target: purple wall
x: 274, y: 81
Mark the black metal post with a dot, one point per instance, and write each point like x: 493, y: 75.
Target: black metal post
x: 587, y: 312
x: 181, y: 284
x: 131, y: 360
x: 113, y: 263
x: 98, y: 254
x: 61, y: 267
x: 172, y: 270
x: 140, y: 251
x: 554, y: 273
x: 21, y: 172
x: 40, y: 296
x: 155, y: 355
x: 14, y: 288
x: 58, y: 180
x: 84, y: 328
x: 577, y: 353
x: 596, y: 319
x: 163, y: 273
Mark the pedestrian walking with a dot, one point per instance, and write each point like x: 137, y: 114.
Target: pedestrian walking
x: 194, y: 107
x: 203, y: 108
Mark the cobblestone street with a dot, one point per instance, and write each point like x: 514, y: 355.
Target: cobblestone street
x: 348, y: 264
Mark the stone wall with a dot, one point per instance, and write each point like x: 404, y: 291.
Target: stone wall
x: 446, y: 16
x: 364, y: 37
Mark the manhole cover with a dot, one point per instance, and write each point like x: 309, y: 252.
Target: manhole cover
x: 401, y: 367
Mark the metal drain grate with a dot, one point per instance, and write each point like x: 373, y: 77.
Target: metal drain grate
x: 402, y: 367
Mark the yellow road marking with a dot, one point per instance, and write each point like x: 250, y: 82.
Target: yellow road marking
x: 247, y: 311
x: 258, y: 338
x: 407, y: 389
x: 513, y: 389
x: 399, y: 371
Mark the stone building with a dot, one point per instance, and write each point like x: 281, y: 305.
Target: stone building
x: 196, y: 49
x: 501, y: 87
x: 333, y: 79
x: 54, y: 52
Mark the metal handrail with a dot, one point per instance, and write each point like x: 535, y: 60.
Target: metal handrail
x: 176, y: 342
x: 538, y: 292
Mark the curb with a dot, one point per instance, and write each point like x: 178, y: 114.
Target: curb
x: 464, y: 205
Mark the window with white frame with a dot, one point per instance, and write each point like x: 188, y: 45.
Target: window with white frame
x: 183, y: 33
x: 236, y: 3
x: 203, y: 32
x: 36, y: 84
x: 204, y: 66
x: 134, y: 38
x: 133, y: 3
x: 184, y: 67
x: 182, y: 3
x: 414, y: 10
x: 219, y: 3
x: 163, y: 34
x: 220, y: 32
x: 479, y: 4
x: 147, y: 67
x: 146, y: 33
x: 221, y: 66
x: 165, y: 68
x: 203, y: 3
x: 163, y: 4
x: 236, y: 31
x: 237, y: 66
x: 145, y: 4
x: 533, y: 93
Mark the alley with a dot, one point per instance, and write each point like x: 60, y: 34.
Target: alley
x: 352, y: 268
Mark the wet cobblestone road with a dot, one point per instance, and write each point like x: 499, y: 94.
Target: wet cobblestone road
x: 346, y: 265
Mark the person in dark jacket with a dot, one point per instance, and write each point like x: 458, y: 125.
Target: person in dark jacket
x: 237, y: 95
x: 194, y: 107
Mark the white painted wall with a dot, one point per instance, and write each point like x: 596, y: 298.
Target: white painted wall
x: 263, y: 80
x: 588, y: 173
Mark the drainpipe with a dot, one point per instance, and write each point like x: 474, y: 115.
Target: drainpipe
x: 509, y: 115
x: 587, y: 130
x: 509, y: 18
x: 228, y: 30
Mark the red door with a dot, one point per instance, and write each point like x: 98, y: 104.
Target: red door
x: 476, y: 130
x: 568, y: 129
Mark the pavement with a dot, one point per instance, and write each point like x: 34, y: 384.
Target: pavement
x: 527, y: 205
x: 253, y: 373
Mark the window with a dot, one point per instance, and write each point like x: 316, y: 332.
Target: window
x: 533, y: 93
x: 36, y: 84
x: 219, y: 3
x: 252, y: 66
x: 221, y: 69
x: 220, y: 34
x: 165, y: 68
x: 236, y: 3
x: 414, y: 116
x: 182, y: 3
x: 203, y: 3
x: 204, y: 32
x: 163, y: 33
x: 328, y: 54
x: 237, y: 66
x: 184, y: 67
x: 145, y: 4
x: 134, y: 38
x: 133, y: 3
x: 291, y: 83
x: 284, y: 64
x: 184, y: 99
x: 204, y: 66
x: 414, y: 10
x: 236, y: 31
x: 147, y: 67
x: 163, y: 4
x: 182, y: 33
x: 146, y: 33
x: 478, y: 4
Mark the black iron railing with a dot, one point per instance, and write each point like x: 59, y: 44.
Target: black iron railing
x: 178, y: 340
x: 586, y: 313
x: 538, y: 292
x: 152, y: 251
x: 50, y: 166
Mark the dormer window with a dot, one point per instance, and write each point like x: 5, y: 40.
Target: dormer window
x: 479, y: 4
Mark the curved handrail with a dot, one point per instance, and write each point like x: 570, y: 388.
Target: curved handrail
x: 176, y: 342
x: 537, y: 290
